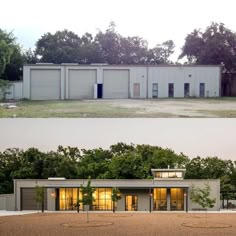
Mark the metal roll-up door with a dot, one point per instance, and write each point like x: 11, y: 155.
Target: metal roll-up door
x: 28, y: 201
x: 45, y: 84
x: 116, y: 83
x: 81, y: 84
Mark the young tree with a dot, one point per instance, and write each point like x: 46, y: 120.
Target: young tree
x: 115, y: 197
x: 39, y: 196
x: 87, y: 193
x: 201, y: 196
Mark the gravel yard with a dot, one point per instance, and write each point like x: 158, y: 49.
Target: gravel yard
x: 166, y: 224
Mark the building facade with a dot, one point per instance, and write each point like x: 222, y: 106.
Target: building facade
x: 167, y: 191
x: 73, y: 81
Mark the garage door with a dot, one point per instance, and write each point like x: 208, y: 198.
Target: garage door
x: 116, y: 83
x: 28, y: 199
x: 81, y: 84
x: 45, y: 84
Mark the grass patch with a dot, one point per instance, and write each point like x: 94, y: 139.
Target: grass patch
x: 127, y: 108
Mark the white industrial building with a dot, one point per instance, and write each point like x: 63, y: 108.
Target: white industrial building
x: 73, y: 81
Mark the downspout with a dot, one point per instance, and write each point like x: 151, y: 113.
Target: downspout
x: 15, y: 195
x: 147, y: 80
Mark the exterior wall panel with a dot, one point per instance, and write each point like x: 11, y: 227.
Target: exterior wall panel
x: 15, y: 91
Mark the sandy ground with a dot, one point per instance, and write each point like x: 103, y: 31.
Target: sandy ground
x: 166, y: 224
x: 180, y: 107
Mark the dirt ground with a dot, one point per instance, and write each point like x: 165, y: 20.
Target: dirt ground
x: 124, y: 108
x: 166, y: 224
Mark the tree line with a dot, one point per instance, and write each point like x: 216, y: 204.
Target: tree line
x: 214, y: 45
x: 120, y: 161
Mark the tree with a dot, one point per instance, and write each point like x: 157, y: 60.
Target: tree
x: 133, y: 50
x: 87, y: 193
x: 201, y: 196
x: 61, y: 47
x: 6, y: 49
x: 30, y: 57
x: 115, y: 197
x: 39, y: 196
x: 216, y: 45
x: 11, y: 58
x: 109, y: 44
x: 161, y: 53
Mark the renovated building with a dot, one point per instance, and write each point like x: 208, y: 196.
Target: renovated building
x: 167, y: 191
x: 101, y: 81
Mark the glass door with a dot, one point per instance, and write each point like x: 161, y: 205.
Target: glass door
x: 160, y: 199
x: 131, y: 203
x: 202, y: 90
x: 177, y: 199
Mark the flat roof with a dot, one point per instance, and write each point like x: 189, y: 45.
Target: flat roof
x: 115, y: 65
x: 168, y: 170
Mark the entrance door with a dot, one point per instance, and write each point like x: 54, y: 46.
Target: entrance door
x: 171, y: 90
x: 136, y: 90
x: 155, y: 90
x: 99, y: 91
x: 131, y: 203
x: 202, y: 90
x: 176, y: 199
x: 186, y: 89
x: 160, y: 199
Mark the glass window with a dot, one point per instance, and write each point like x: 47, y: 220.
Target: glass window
x: 177, y: 199
x: 68, y: 198
x: 102, y: 198
x: 155, y: 90
x: 160, y: 199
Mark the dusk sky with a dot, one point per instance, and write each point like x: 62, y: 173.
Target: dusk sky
x: 156, y: 21
x: 194, y: 137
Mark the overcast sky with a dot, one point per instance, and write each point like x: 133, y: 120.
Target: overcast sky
x: 193, y: 137
x: 153, y: 20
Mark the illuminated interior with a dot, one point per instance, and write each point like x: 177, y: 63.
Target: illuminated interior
x: 169, y: 174
x: 131, y: 203
x: 68, y: 198
x: 102, y: 198
x: 160, y: 199
x: 177, y: 199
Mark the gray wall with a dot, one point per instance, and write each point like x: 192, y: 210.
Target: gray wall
x: 7, y: 202
x: 127, y: 186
